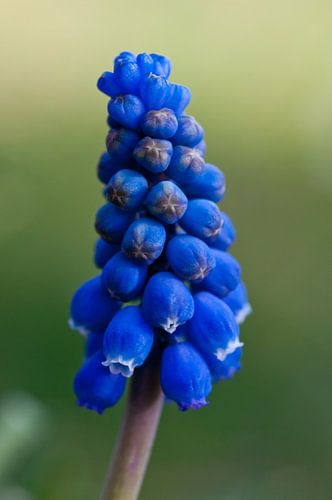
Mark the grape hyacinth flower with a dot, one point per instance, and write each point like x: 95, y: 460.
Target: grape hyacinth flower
x: 166, y: 307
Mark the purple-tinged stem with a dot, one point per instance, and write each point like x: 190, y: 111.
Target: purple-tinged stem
x: 135, y: 440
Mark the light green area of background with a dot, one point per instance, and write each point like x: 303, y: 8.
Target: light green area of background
x: 261, y: 79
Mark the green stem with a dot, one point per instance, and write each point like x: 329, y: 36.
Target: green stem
x: 136, y: 436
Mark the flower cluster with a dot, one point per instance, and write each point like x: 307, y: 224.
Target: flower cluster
x: 168, y: 284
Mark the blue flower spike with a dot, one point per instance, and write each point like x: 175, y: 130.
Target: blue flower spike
x: 168, y: 289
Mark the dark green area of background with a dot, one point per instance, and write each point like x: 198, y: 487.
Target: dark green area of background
x: 261, y: 87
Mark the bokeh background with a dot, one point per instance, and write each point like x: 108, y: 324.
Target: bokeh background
x: 261, y: 79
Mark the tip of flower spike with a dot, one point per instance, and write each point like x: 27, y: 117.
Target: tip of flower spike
x: 221, y: 354
x: 195, y: 404
x: 119, y: 366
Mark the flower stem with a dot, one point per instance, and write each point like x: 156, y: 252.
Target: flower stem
x: 136, y: 436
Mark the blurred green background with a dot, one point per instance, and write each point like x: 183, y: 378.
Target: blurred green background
x: 261, y: 79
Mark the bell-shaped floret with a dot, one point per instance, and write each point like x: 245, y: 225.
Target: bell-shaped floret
x: 127, y: 342
x: 107, y: 167
x: 108, y: 85
x: 112, y: 222
x: 120, y: 144
x: 127, y: 189
x: 167, y: 302
x: 209, y: 185
x: 144, y: 240
x: 104, y: 251
x: 186, y: 164
x: 213, y: 328
x: 189, y: 257
x: 225, y: 277
x: 153, y: 91
x: 95, y: 387
x: 225, y: 369
x: 202, y: 219
x: 153, y: 154
x: 91, y: 307
x: 227, y: 235
x: 124, y: 278
x: 238, y: 302
x: 126, y: 109
x: 161, y: 65
x: 127, y: 75
x: 178, y: 98
x: 145, y: 63
x: 189, y: 132
x: 159, y: 124
x: 167, y: 202
x: 185, y: 376
x: 125, y: 55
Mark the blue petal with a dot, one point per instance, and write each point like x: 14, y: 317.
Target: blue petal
x: 127, y: 189
x: 144, y: 240
x: 190, y: 258
x: 167, y: 302
x: 238, y: 302
x: 153, y: 154
x: 91, y: 307
x: 112, y: 222
x: 159, y: 124
x: 124, y: 278
x: 126, y: 109
x: 210, y: 184
x: 104, y: 251
x: 95, y: 388
x: 186, y: 164
x: 213, y: 328
x: 225, y: 277
x: 185, y: 376
x: 202, y: 219
x: 167, y: 202
x: 128, y: 341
